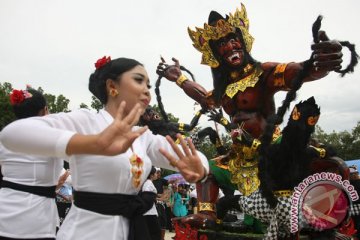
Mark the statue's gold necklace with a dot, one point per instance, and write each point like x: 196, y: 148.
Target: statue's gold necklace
x: 243, y: 83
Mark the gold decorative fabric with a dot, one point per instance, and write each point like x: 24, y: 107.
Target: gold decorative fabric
x: 206, y: 206
x: 243, y: 166
x: 244, y: 169
x: 283, y: 193
x: 279, y: 80
x: 242, y: 84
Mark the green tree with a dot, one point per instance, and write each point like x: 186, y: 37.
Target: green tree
x: 56, y: 104
x: 209, y: 149
x: 166, y: 172
x: 83, y: 105
x: 346, y: 144
x: 6, y: 113
x: 96, y: 104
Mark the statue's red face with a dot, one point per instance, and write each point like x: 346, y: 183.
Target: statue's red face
x: 231, y: 50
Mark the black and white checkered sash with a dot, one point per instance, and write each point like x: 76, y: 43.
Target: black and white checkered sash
x: 355, y: 209
x: 278, y: 218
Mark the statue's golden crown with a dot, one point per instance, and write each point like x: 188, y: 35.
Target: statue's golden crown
x: 223, y: 27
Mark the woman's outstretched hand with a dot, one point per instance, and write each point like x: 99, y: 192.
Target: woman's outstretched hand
x: 118, y: 136
x: 113, y: 140
x: 187, y: 161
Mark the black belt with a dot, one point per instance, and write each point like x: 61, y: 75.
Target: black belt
x: 130, y: 206
x: 48, y: 192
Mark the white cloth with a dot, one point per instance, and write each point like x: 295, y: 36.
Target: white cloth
x: 49, y: 136
x: 150, y: 187
x: 22, y: 214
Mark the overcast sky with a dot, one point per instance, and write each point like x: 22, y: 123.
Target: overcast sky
x: 54, y: 44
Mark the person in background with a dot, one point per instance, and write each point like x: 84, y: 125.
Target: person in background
x: 180, y: 201
x: 162, y: 196
x: 186, y: 194
x: 151, y: 216
x: 193, y: 199
x: 110, y: 157
x: 64, y: 194
x: 169, y: 206
x: 27, y: 195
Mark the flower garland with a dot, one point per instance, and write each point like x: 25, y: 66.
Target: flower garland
x: 18, y: 96
x: 136, y: 169
x: 102, y: 62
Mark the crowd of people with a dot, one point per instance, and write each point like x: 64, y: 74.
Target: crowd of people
x: 174, y: 199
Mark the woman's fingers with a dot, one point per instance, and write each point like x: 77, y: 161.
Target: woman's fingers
x: 126, y: 140
x: 187, y: 164
x: 175, y: 147
x: 132, y: 136
x: 120, y: 112
x: 130, y: 118
x: 192, y: 147
x: 189, y: 175
x: 138, y: 113
x: 172, y: 160
x: 141, y: 130
x: 183, y: 144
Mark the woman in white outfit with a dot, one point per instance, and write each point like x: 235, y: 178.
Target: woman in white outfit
x: 27, y: 195
x: 109, y: 156
x: 151, y: 216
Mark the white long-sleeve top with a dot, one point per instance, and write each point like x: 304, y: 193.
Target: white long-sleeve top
x: 25, y: 215
x: 150, y: 187
x: 49, y: 136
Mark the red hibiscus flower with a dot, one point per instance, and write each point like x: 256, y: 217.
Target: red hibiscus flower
x: 102, y: 61
x: 16, y: 97
x: 138, y: 160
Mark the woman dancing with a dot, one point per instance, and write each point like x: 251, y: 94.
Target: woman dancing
x: 109, y: 156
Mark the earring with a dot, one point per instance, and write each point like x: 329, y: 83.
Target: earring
x: 113, y: 92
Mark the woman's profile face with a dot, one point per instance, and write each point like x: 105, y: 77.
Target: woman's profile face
x: 133, y: 87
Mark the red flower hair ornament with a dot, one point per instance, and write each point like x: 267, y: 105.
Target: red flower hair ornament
x: 18, y: 96
x: 102, y: 61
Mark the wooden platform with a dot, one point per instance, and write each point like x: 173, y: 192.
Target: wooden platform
x: 222, y: 235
